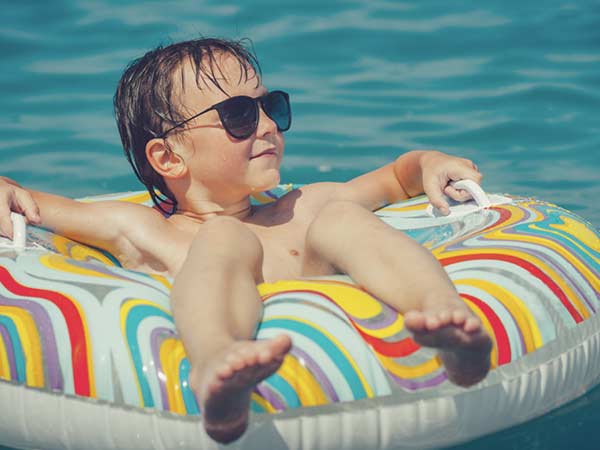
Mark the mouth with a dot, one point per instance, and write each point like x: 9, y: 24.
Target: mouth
x: 268, y: 152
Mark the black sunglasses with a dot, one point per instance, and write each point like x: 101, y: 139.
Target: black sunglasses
x: 239, y: 115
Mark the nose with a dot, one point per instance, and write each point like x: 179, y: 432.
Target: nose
x: 266, y: 125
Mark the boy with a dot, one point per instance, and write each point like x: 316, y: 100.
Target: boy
x: 198, y: 125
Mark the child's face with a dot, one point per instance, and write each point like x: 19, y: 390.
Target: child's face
x: 223, y: 165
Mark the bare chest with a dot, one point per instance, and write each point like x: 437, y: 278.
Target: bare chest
x: 283, y: 250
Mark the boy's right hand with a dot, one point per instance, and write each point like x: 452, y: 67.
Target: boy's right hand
x: 13, y: 198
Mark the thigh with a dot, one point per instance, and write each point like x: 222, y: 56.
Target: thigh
x: 331, y: 234
x: 227, y: 244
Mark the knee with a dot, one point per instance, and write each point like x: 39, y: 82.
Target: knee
x: 332, y: 220
x: 228, y: 239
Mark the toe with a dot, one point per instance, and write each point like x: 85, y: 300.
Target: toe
x: 432, y: 323
x: 472, y: 324
x: 458, y: 317
x: 445, y: 317
x: 414, y: 321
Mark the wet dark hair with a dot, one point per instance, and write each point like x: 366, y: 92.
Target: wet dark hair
x: 145, y: 103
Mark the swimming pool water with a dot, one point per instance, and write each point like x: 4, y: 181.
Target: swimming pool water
x: 513, y: 85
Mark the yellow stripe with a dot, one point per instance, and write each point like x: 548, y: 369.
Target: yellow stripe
x: 546, y: 269
x: 161, y: 279
x: 30, y: 341
x: 125, y: 308
x: 262, y: 198
x: 410, y: 372
x: 140, y: 197
x: 419, y: 207
x: 59, y: 262
x: 526, y: 322
x: 355, y: 302
x: 4, y: 366
x: 170, y: 359
x: 303, y: 382
x: 487, y: 327
x: 581, y: 231
x: 78, y: 251
x: 136, y: 198
x: 263, y: 403
x: 339, y: 346
x: 540, y: 264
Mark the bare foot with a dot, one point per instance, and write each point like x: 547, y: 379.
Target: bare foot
x: 464, y: 346
x: 228, y: 380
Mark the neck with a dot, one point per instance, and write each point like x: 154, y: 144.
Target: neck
x: 202, y: 210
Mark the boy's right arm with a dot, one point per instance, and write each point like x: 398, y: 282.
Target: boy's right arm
x: 100, y: 224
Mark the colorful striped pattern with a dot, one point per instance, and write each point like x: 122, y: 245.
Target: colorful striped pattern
x: 71, y: 320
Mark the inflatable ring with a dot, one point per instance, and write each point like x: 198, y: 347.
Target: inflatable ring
x: 89, y: 355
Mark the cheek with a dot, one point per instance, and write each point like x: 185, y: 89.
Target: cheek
x: 223, y: 158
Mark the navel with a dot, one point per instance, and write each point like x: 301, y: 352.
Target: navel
x: 294, y: 252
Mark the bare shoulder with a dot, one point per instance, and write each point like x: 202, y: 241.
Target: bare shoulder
x: 126, y: 215
x: 134, y: 227
x: 310, y: 198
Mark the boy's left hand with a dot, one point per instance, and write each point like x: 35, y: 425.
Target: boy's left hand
x: 438, y: 170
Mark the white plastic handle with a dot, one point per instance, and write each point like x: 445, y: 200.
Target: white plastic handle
x: 19, y: 230
x: 474, y: 190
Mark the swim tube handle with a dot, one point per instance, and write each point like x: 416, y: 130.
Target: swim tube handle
x: 19, y: 230
x: 474, y: 190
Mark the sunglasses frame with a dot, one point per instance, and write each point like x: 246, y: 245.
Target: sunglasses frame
x: 219, y: 107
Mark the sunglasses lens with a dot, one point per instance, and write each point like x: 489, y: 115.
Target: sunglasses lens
x: 239, y: 116
x: 277, y: 106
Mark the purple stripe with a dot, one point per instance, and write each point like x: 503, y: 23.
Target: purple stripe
x: 413, y: 385
x: 384, y: 319
x: 48, y: 340
x: 100, y: 268
x: 156, y: 338
x: 544, y: 257
x: 304, y: 359
x: 558, y: 268
x: 271, y: 195
x: 9, y: 352
x: 269, y: 395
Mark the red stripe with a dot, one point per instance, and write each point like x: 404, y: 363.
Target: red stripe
x: 531, y: 268
x: 79, y: 355
x: 396, y: 349
x: 500, y: 335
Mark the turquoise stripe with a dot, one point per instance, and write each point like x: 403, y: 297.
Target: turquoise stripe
x: 256, y: 408
x: 135, y: 316
x: 18, y: 352
x: 340, y: 360
x: 287, y: 392
x: 191, y: 406
x: 564, y: 238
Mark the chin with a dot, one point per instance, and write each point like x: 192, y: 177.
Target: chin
x: 270, y: 180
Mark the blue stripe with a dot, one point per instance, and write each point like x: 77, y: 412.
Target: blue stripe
x: 564, y: 237
x: 135, y: 316
x: 330, y: 348
x: 19, y: 354
x: 277, y: 383
x: 256, y: 408
x: 191, y: 406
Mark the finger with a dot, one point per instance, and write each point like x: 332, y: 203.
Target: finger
x: 460, y: 195
x: 433, y: 189
x: 466, y: 172
x: 6, y: 227
x: 28, y: 206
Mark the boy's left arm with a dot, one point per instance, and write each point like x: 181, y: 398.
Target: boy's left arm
x: 412, y: 174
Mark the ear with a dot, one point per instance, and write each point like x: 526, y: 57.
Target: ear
x: 166, y: 162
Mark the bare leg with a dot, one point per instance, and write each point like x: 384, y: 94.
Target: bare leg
x: 403, y: 274
x: 216, y: 308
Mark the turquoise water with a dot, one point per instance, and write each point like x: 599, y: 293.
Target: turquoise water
x: 515, y: 86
